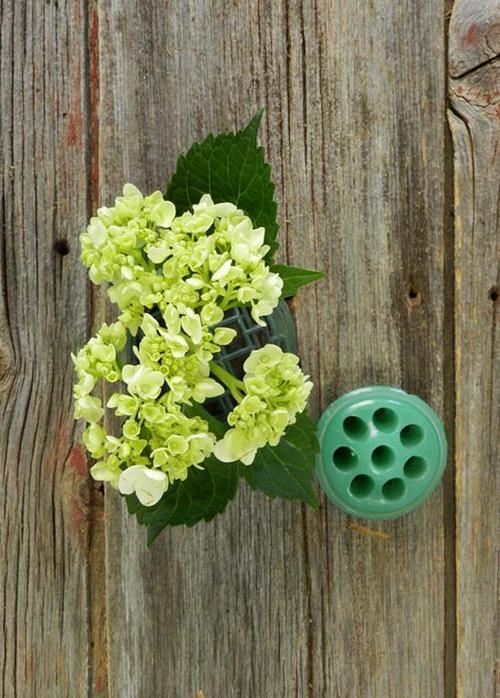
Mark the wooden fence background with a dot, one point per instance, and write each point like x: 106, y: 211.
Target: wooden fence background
x: 270, y: 600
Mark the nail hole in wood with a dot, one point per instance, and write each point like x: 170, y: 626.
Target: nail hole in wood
x: 493, y: 294
x: 61, y: 247
x: 413, y: 297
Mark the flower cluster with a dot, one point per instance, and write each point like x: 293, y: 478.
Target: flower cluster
x: 173, y: 278
x: 275, y: 390
x: 210, y: 257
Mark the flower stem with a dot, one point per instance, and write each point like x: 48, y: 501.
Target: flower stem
x: 235, y: 386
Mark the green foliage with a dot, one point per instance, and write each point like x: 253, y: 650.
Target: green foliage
x: 295, y: 277
x: 204, y: 494
x: 230, y: 167
x: 287, y: 470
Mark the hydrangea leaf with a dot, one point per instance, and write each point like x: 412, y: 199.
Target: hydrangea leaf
x: 287, y: 470
x: 204, y: 494
x: 295, y: 277
x: 230, y: 167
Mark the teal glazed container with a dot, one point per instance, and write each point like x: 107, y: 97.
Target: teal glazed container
x: 382, y: 452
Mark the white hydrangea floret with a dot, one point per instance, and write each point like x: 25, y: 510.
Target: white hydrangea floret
x: 89, y: 408
x: 148, y: 485
x: 143, y: 381
x: 207, y: 206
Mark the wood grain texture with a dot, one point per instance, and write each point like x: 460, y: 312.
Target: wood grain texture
x: 271, y: 600
x: 475, y: 124
x: 202, y: 610
x: 43, y: 316
x: 377, y: 183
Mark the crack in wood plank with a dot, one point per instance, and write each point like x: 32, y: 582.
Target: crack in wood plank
x: 475, y: 126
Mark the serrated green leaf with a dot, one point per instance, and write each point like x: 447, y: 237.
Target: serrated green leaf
x: 252, y: 128
x: 295, y: 277
x: 204, y: 494
x: 229, y: 167
x: 287, y: 470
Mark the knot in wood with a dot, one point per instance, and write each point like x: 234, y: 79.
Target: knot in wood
x: 475, y: 54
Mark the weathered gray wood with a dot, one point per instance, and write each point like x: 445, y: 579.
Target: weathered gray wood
x: 45, y: 648
x: 202, y: 609
x: 374, y: 157
x: 270, y: 600
x: 475, y: 124
x: 474, y: 36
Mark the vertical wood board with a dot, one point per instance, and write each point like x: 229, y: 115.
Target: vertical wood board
x: 475, y: 125
x: 43, y: 316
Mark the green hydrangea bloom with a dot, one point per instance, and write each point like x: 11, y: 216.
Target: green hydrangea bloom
x: 179, y: 442
x: 182, y: 352
x: 276, y: 391
x: 173, y: 278
x: 97, y: 359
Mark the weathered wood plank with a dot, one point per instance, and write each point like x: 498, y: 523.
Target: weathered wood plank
x: 475, y: 124
x: 374, y: 159
x: 43, y: 316
x: 270, y: 600
x: 201, y: 604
